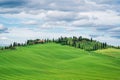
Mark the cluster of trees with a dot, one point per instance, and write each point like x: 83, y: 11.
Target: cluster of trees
x: 13, y: 46
x: 83, y: 43
x: 38, y: 41
x: 77, y: 42
x: 118, y: 47
x: 28, y: 42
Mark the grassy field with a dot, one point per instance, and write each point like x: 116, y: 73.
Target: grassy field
x: 110, y: 52
x: 55, y: 62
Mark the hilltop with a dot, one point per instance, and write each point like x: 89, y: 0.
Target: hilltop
x: 53, y: 61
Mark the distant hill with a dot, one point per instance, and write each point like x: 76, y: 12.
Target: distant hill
x: 53, y: 61
x: 110, y: 52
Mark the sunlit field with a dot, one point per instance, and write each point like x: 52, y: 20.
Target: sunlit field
x: 57, y: 62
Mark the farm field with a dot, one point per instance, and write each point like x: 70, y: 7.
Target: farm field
x: 53, y: 61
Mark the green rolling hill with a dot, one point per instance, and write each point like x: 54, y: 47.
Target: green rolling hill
x: 110, y: 52
x: 56, y: 62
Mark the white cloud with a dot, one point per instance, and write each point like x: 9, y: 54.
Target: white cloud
x: 82, y: 23
x: 56, y: 24
x: 115, y: 29
x: 72, y: 28
x: 3, y: 38
x: 2, y: 28
x: 103, y: 17
x: 31, y: 22
x: 79, y: 18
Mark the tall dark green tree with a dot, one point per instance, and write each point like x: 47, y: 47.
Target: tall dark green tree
x: 91, y: 39
x: 79, y: 45
x: 80, y: 38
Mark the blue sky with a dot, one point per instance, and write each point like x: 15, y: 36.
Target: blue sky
x: 30, y: 19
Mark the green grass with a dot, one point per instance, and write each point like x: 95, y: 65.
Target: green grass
x: 110, y: 52
x: 55, y: 62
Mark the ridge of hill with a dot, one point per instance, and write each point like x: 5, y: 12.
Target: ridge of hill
x: 56, y: 62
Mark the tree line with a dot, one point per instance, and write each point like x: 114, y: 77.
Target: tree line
x: 77, y: 42
x: 83, y: 43
x: 28, y: 42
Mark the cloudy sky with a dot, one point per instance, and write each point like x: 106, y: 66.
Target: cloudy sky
x: 30, y: 19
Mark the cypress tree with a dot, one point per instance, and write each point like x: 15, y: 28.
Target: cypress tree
x: 53, y: 40
x: 79, y: 45
x: 10, y: 46
x: 91, y: 39
x: 105, y: 44
x: 69, y: 43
